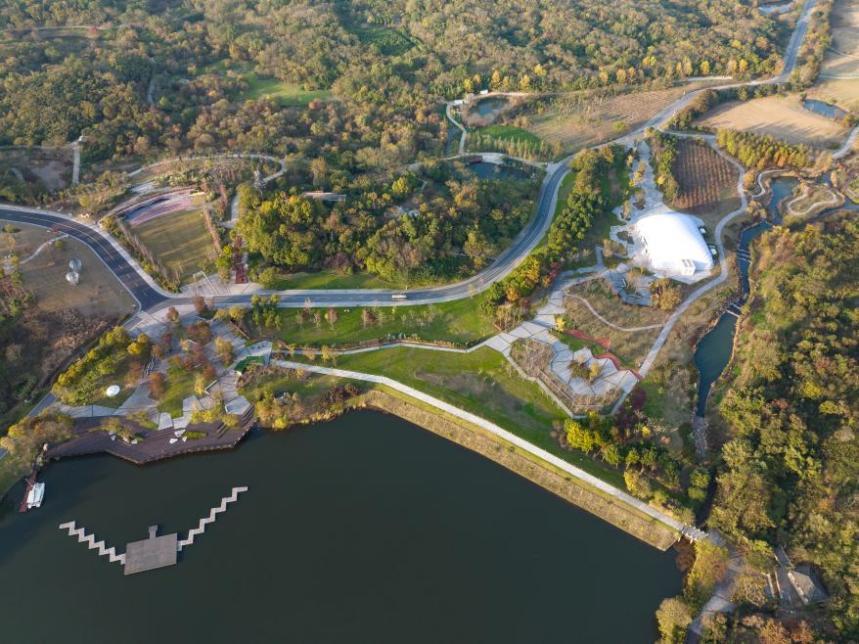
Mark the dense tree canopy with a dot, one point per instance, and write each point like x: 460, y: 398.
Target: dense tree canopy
x: 790, y: 470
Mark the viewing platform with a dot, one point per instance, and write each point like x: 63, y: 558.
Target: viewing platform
x: 155, y: 551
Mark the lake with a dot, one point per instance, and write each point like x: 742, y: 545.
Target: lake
x: 362, y: 529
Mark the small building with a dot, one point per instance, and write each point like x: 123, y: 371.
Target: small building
x: 670, y: 244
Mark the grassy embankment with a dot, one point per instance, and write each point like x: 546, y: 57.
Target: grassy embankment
x: 462, y: 322
x: 483, y: 383
x: 334, y: 280
x: 479, y: 440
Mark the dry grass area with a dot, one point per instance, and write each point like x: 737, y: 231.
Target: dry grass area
x: 583, y: 119
x: 629, y: 346
x: 783, y: 117
x: 839, y: 76
x: 61, y: 319
x: 809, y: 200
x: 20, y: 239
x: 98, y: 294
x: 179, y: 240
x: 708, y: 183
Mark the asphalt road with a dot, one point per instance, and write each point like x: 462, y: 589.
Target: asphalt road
x: 146, y: 296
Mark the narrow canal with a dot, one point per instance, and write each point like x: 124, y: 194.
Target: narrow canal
x: 363, y: 529
x: 714, y: 349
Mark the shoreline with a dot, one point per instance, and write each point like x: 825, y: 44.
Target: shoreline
x: 465, y: 435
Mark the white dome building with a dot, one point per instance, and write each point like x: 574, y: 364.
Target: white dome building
x: 670, y: 244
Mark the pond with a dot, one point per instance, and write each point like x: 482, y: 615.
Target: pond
x: 362, y: 529
x: 489, y: 107
x: 824, y: 109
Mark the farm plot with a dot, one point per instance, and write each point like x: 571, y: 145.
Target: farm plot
x: 783, y: 117
x: 707, y: 182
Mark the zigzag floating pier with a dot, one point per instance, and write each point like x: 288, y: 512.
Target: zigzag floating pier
x: 155, y: 551
x: 193, y: 533
x: 92, y: 544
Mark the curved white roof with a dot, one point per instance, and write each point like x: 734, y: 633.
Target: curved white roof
x: 673, y: 244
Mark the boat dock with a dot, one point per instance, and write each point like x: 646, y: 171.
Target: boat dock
x: 155, y: 551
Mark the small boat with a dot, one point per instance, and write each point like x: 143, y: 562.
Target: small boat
x: 35, y: 495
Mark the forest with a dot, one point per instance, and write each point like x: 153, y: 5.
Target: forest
x: 790, y: 464
x: 441, y: 224
x: 177, y: 76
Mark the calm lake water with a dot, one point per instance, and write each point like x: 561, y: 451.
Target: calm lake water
x: 824, y: 109
x: 363, y: 529
x: 490, y: 106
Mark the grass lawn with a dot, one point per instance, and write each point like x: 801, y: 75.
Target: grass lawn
x: 509, y: 133
x: 461, y: 322
x: 180, y: 385
x: 288, y: 382
x: 288, y: 94
x: 180, y: 241
x: 481, y: 382
x: 332, y: 280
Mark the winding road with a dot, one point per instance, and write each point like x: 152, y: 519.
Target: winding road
x: 152, y: 298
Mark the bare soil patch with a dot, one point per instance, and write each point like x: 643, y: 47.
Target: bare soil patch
x: 41, y: 169
x: 783, y: 117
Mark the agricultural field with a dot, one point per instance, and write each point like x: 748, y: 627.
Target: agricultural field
x: 783, y: 117
x: 179, y: 240
x: 839, y: 77
x: 580, y: 119
x: 707, y: 182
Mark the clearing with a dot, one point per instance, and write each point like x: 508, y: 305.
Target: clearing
x: 286, y: 94
x: 783, y: 117
x: 582, y: 119
x: 179, y: 240
x: 839, y: 77
x: 707, y: 182
x: 34, y: 171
